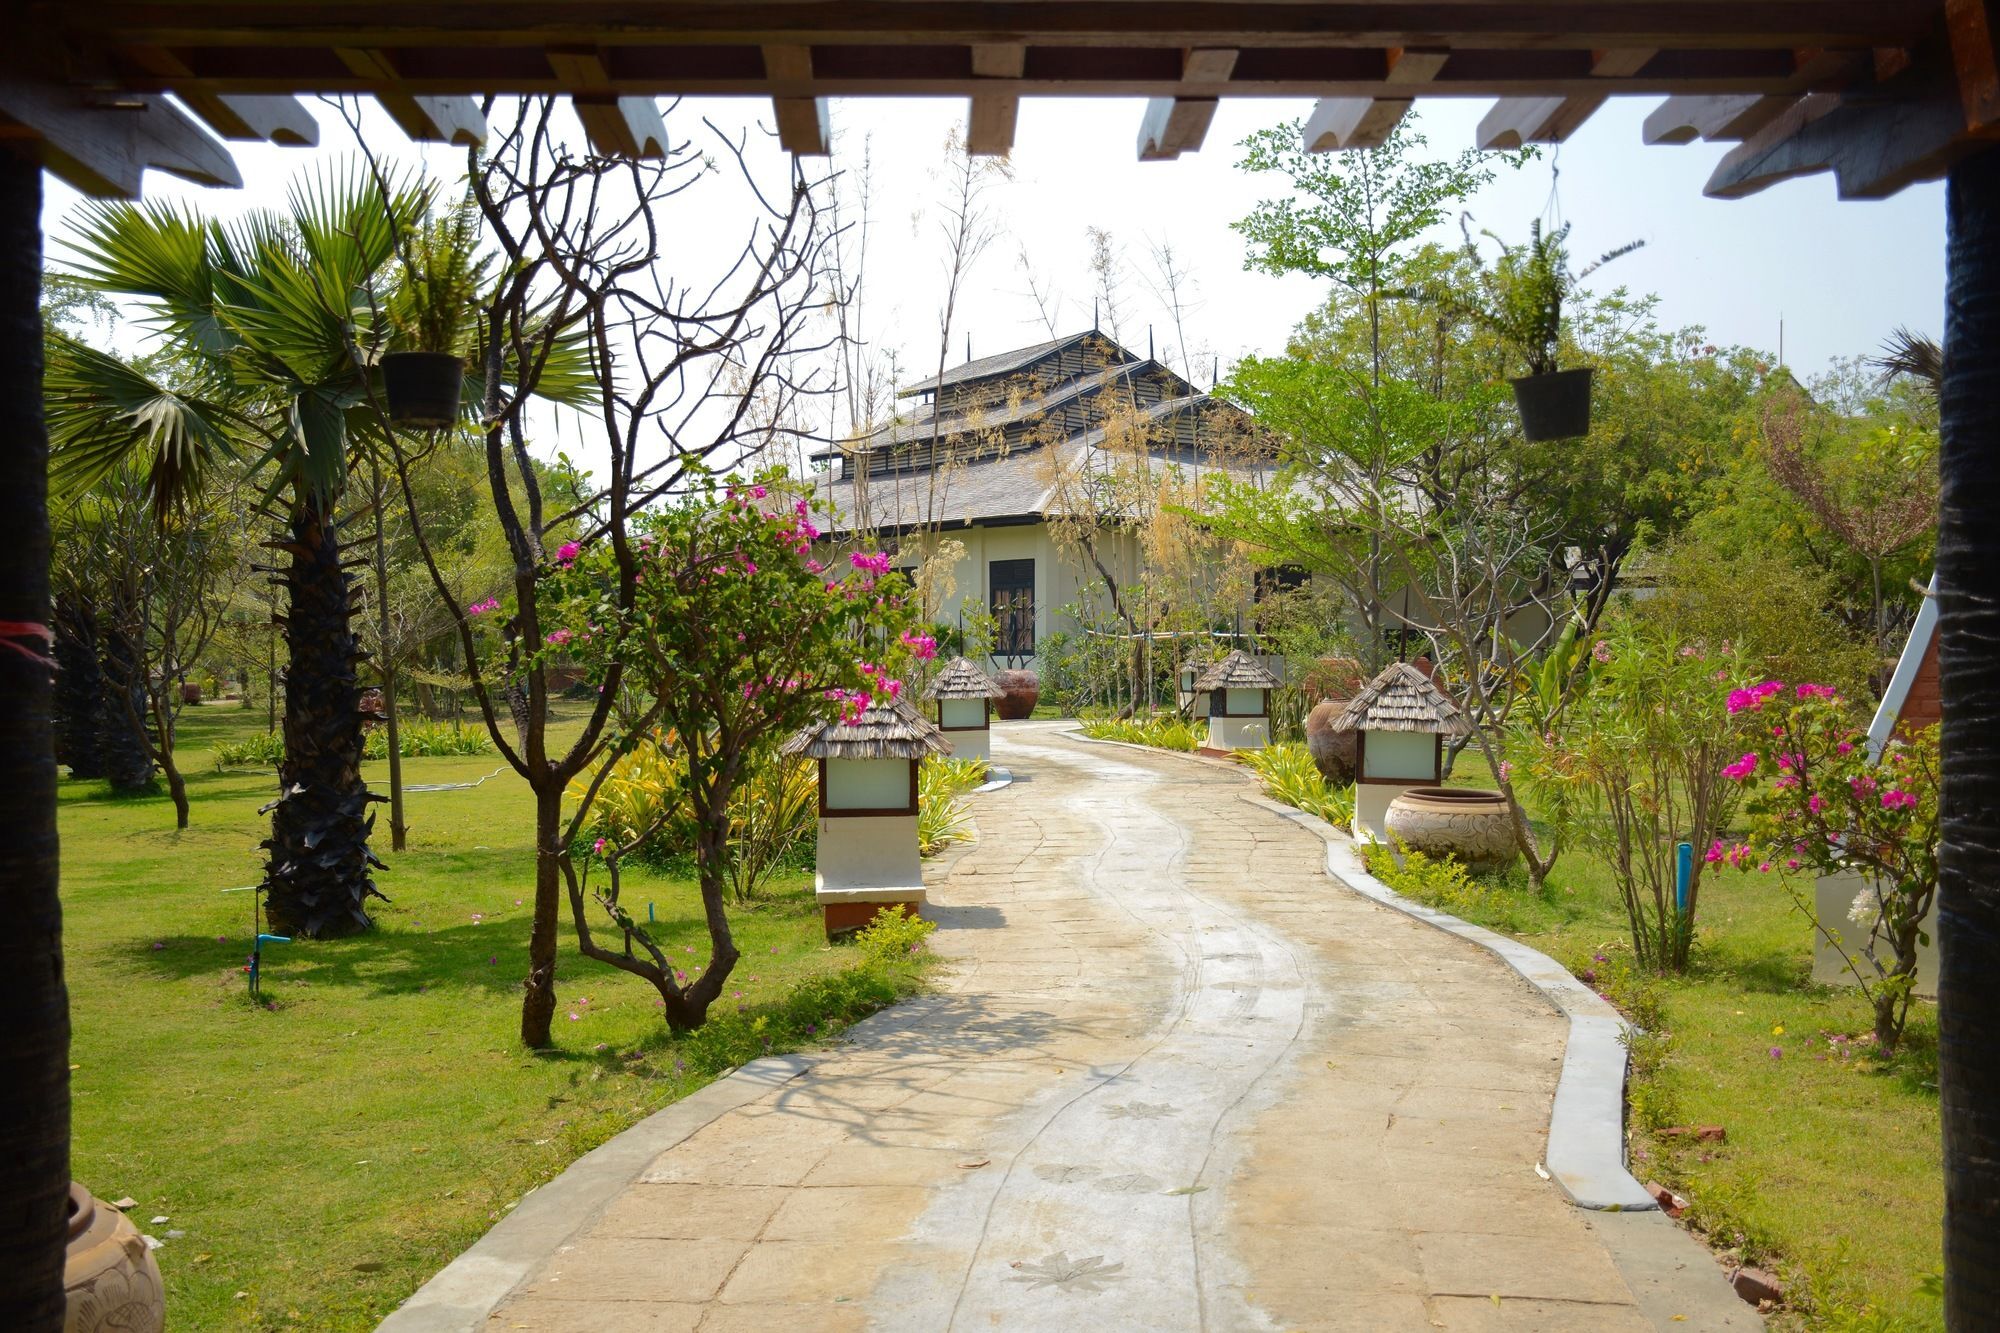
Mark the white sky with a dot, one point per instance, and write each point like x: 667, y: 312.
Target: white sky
x: 1839, y: 275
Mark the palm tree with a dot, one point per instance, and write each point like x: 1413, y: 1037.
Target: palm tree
x: 270, y: 327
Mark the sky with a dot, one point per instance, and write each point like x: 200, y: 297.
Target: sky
x: 1836, y: 276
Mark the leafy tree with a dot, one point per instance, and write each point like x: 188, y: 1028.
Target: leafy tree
x: 736, y: 638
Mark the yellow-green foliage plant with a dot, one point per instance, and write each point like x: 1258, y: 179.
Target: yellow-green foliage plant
x: 1434, y: 881
x: 1291, y: 776
x: 942, y: 810
x: 1163, y: 732
x: 892, y: 936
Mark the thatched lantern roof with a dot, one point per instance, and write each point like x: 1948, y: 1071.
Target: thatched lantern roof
x: 962, y: 679
x: 1238, y: 671
x: 1402, y: 698
x: 891, y: 730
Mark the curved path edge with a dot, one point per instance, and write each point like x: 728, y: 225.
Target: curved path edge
x: 1586, y: 1146
x: 461, y: 1295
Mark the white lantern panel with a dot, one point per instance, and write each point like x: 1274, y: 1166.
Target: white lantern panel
x: 1399, y: 755
x: 964, y: 712
x: 1246, y: 703
x: 868, y: 784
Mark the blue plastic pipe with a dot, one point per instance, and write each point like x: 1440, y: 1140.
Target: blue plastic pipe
x: 1683, y: 875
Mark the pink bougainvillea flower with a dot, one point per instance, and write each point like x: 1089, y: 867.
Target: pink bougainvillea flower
x: 567, y: 553
x: 598, y: 847
x: 1816, y: 803
x: 1897, y: 799
x: 1808, y: 691
x: 1845, y: 747
x: 1716, y: 851
x: 481, y: 608
x: 1741, y: 769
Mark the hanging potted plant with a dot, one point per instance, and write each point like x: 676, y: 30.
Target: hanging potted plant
x: 1525, y: 290
x: 430, y: 314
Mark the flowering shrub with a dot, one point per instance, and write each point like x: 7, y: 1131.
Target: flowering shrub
x: 1820, y: 805
x: 1635, y: 769
x: 735, y: 636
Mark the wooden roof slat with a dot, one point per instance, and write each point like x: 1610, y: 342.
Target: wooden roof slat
x: 616, y: 126
x: 1733, y: 117
x: 102, y: 145
x: 258, y: 117
x: 1352, y: 122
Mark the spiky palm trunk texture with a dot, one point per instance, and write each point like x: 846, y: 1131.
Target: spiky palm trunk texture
x: 121, y: 719
x: 34, y: 1041
x: 317, y: 881
x: 1968, y: 901
x: 79, y: 690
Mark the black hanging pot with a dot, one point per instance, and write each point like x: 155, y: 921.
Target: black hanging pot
x: 422, y: 388
x: 1554, y: 406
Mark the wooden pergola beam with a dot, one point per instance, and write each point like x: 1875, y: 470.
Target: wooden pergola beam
x: 805, y: 129
x: 1367, y: 122
x: 1492, y: 24
x: 1873, y: 149
x: 989, y: 129
x: 102, y: 144
x: 453, y: 118
x: 1685, y: 119
x: 1176, y: 125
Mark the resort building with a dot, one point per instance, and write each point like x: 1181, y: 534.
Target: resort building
x: 1041, y: 464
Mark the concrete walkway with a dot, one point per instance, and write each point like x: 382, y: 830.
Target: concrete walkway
x: 1177, y: 1078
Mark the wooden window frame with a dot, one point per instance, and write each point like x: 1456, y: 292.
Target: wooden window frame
x: 1010, y: 648
x: 909, y: 810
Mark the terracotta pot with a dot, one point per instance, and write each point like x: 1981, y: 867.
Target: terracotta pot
x: 1473, y: 827
x: 1020, y: 691
x: 1333, y: 752
x: 109, y: 1278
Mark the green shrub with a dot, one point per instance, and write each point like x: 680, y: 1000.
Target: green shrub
x: 1163, y: 732
x: 429, y: 740
x: 892, y: 936
x: 942, y: 786
x: 266, y: 751
x: 811, y: 1012
x: 1291, y: 776
x: 420, y: 740
x: 1435, y: 881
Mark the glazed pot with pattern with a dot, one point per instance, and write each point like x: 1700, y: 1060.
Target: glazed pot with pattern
x: 110, y: 1281
x: 1473, y: 827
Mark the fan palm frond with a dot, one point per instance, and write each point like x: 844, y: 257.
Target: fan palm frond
x: 104, y: 414
x: 1908, y: 353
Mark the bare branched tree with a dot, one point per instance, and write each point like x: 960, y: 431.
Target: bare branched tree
x: 676, y: 374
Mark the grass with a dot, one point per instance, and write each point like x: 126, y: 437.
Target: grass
x: 1832, y: 1172
x: 323, y: 1156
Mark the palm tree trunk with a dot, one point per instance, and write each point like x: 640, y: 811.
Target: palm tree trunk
x: 1968, y: 901
x: 79, y: 689
x: 317, y: 880
x: 121, y: 724
x: 34, y: 1041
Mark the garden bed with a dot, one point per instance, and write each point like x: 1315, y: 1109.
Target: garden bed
x: 321, y: 1158
x: 1831, y: 1172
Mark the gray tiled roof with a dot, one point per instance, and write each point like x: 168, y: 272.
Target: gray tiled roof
x: 1000, y: 363
x: 1017, y: 486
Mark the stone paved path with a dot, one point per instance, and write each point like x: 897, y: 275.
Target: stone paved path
x: 1178, y: 1078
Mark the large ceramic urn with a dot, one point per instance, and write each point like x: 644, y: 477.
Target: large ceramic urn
x: 110, y: 1282
x: 1472, y: 827
x: 1020, y: 691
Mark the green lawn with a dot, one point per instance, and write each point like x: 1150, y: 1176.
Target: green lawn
x: 326, y: 1154
x: 1832, y: 1171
